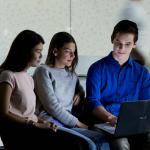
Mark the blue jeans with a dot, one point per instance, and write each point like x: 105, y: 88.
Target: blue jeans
x: 94, y: 140
x: 96, y: 136
x: 90, y: 145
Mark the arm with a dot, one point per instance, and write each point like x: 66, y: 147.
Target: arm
x: 5, y: 115
x: 93, y: 84
x: 102, y: 114
x: 5, y: 94
x: 44, y: 90
x: 145, y: 87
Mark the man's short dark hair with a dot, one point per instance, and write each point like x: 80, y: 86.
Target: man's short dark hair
x: 125, y: 26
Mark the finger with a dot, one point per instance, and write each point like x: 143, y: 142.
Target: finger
x: 53, y: 126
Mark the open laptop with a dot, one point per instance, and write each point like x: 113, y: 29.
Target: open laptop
x: 134, y: 118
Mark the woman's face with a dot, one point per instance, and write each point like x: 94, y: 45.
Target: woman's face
x: 65, y: 55
x: 36, y: 55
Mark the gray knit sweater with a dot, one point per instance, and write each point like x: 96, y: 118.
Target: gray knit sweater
x: 55, y: 89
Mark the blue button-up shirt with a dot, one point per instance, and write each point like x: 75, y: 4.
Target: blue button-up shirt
x: 108, y: 84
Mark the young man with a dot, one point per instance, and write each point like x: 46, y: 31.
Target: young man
x: 117, y: 78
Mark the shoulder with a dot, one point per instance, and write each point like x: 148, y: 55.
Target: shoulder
x: 7, y: 76
x: 41, y: 70
x: 140, y: 68
x: 98, y: 65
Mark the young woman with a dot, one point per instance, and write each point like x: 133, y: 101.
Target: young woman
x: 56, y: 81
x: 20, y: 128
x: 57, y: 86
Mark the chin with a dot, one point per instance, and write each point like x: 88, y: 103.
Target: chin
x: 120, y: 55
x: 68, y: 65
x: 35, y: 65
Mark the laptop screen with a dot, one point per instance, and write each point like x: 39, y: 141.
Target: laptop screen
x: 134, y: 118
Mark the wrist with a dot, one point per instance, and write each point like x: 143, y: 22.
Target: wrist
x: 78, y: 124
x: 109, y: 117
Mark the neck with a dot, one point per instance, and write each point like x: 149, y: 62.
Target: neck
x: 121, y: 60
x: 58, y: 65
x: 26, y: 68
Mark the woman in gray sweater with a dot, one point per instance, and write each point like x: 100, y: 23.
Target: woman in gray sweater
x: 58, y: 89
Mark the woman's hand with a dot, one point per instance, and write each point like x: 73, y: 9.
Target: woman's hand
x: 81, y: 125
x: 45, y: 125
x: 76, y: 100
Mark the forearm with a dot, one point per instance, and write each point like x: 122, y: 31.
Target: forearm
x: 64, y: 116
x: 54, y: 108
x: 101, y: 113
x: 10, y: 117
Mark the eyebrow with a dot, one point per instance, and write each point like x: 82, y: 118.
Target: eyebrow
x: 38, y: 49
x: 120, y: 41
x: 68, y: 49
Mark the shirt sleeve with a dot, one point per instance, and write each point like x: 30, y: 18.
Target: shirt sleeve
x: 145, y: 88
x: 45, y: 92
x: 93, y: 85
x: 7, y: 77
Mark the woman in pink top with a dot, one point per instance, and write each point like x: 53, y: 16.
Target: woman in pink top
x: 19, y: 126
x: 16, y: 86
x: 17, y: 97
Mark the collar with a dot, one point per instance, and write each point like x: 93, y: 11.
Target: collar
x: 113, y: 61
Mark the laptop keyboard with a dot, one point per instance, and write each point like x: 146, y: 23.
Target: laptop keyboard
x: 106, y: 127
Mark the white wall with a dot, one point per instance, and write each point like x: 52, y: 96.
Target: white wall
x: 90, y: 22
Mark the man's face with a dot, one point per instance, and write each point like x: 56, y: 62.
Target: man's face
x: 123, y: 44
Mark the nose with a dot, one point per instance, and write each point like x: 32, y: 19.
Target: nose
x: 41, y: 56
x: 72, y: 54
x: 121, y: 46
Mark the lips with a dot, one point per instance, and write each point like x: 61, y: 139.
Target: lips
x: 38, y: 61
x: 69, y: 60
x: 120, y: 53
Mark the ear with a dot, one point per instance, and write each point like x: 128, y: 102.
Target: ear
x: 55, y: 52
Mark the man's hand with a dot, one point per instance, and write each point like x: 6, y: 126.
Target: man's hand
x: 112, y: 120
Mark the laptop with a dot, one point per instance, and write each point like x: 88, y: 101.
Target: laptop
x: 134, y: 118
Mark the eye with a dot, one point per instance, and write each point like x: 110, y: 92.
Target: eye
x: 38, y: 51
x: 67, y: 51
x: 117, y: 43
x: 128, y: 44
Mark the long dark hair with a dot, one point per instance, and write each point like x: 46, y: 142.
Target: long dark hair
x: 58, y: 41
x: 20, y: 52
